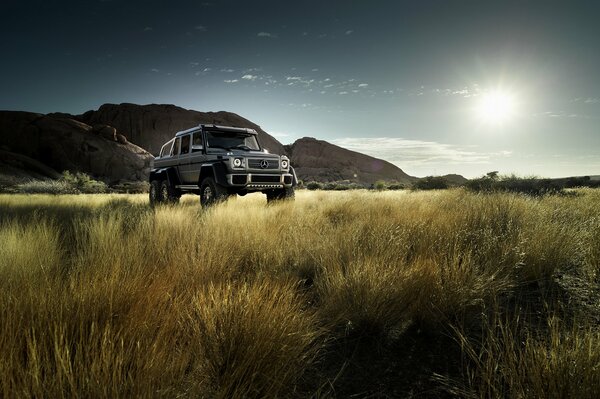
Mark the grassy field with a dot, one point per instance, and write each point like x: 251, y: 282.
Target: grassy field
x: 372, y: 294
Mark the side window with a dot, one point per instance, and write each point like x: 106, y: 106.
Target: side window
x: 165, y: 151
x: 185, y: 144
x: 197, y: 142
x: 175, y: 149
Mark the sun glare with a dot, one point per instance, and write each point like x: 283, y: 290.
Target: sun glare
x: 496, y: 107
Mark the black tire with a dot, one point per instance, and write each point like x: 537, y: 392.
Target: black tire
x: 211, y: 193
x: 169, y: 194
x: 155, y: 193
x: 281, y: 194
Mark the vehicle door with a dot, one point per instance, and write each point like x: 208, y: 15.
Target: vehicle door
x: 184, y: 159
x: 197, y: 156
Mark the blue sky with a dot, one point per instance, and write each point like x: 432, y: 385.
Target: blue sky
x: 404, y: 81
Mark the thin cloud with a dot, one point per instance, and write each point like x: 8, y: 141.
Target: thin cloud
x: 266, y: 34
x: 148, y: 29
x: 249, y: 77
x: 201, y: 28
x: 155, y: 70
x: 406, y: 152
x: 363, y: 85
x: 349, y: 32
x: 231, y: 81
x: 227, y: 70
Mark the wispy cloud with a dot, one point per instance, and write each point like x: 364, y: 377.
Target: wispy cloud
x: 155, y: 70
x: 148, y: 29
x: 201, y: 28
x: 349, y: 32
x: 591, y: 100
x: 249, y: 77
x: 363, y: 85
x: 227, y: 70
x: 231, y: 81
x: 266, y: 34
x: 406, y: 152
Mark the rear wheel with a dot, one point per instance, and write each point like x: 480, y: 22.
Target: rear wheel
x: 211, y: 193
x: 155, y: 193
x: 169, y: 194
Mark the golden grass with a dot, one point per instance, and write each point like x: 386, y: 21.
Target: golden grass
x: 101, y: 296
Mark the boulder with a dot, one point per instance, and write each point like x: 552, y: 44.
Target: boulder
x: 63, y: 143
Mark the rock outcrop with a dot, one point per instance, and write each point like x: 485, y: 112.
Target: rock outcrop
x: 318, y: 160
x: 62, y: 143
x: 150, y: 126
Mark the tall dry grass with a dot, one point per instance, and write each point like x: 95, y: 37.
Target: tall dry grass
x: 101, y: 296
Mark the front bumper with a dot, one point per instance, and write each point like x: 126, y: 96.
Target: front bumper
x: 256, y: 181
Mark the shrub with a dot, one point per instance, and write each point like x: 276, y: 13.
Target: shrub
x: 84, y: 183
x: 524, y: 185
x: 313, y: 185
x: 379, y: 185
x: 431, y: 183
x: 46, y: 187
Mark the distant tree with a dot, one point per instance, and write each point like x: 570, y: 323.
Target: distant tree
x: 492, y: 175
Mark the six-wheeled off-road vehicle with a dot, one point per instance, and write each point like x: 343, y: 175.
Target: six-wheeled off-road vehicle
x: 216, y: 162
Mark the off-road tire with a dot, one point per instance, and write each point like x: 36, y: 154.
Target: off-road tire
x: 169, y: 194
x: 211, y: 193
x: 155, y: 194
x: 281, y: 194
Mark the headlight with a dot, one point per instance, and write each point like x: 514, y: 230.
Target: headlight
x: 237, y: 162
x: 284, y: 164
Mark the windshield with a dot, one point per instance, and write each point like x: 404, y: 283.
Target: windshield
x: 231, y: 140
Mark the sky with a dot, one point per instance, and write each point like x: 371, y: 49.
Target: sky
x: 435, y: 87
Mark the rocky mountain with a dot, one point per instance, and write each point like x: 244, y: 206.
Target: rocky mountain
x: 318, y: 160
x: 47, y: 144
x: 115, y: 143
x: 150, y: 126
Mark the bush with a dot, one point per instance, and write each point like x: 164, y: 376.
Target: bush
x: 379, y: 185
x: 313, y: 185
x: 524, y: 185
x: 69, y: 183
x: 431, y: 183
x: 83, y: 183
x: 46, y: 187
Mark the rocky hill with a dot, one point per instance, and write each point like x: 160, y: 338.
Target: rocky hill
x: 150, y: 126
x: 45, y: 144
x: 115, y: 143
x: 318, y: 160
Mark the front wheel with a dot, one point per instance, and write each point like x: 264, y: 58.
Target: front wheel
x: 211, y: 193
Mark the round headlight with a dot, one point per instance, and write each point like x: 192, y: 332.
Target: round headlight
x: 284, y: 164
x: 237, y: 162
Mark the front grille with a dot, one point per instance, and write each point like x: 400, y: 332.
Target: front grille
x: 265, y: 179
x: 257, y: 163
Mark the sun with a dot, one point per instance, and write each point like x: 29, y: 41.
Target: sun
x: 496, y: 107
